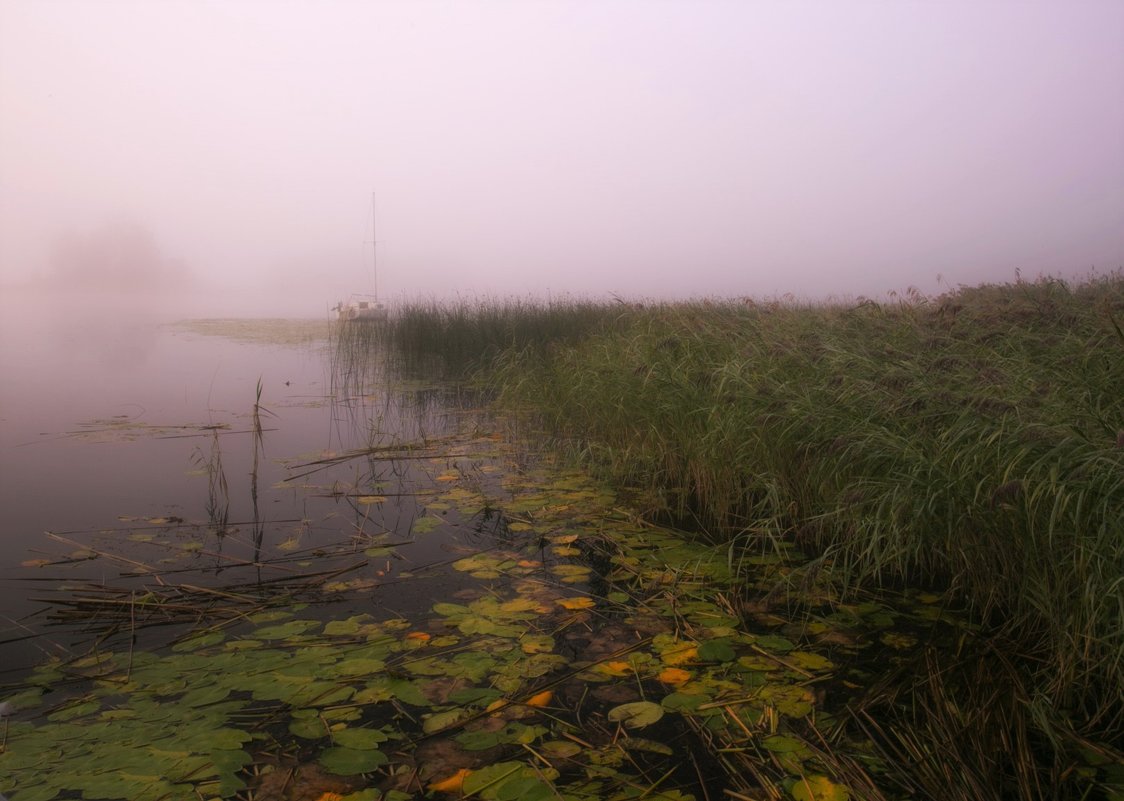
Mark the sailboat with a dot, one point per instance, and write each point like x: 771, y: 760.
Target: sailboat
x: 365, y: 308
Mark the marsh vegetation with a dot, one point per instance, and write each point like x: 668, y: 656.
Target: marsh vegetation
x: 972, y: 444
x: 608, y: 551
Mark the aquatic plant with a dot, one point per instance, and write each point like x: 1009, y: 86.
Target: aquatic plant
x: 454, y: 339
x: 546, y: 678
x: 970, y: 441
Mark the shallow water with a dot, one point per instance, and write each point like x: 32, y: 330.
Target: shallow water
x: 131, y: 436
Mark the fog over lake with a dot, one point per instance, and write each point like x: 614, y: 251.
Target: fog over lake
x: 229, y: 150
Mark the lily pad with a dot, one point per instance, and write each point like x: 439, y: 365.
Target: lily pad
x: 351, y: 761
x: 636, y: 715
x: 359, y: 739
x: 780, y: 744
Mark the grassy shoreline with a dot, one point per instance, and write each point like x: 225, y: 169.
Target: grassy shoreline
x: 973, y: 442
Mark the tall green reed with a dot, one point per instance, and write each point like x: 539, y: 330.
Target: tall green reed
x: 973, y: 441
x: 970, y: 441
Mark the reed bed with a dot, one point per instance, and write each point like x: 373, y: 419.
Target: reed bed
x: 457, y: 339
x: 973, y: 442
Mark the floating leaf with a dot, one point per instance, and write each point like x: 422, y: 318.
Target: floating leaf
x: 350, y: 761
x: 357, y: 624
x: 443, y: 720
x: 683, y: 701
x: 370, y: 500
x: 408, y: 692
x: 560, y: 749
x: 424, y: 525
x: 199, y: 641
x: 680, y: 654
x: 776, y: 644
x: 571, y: 574
x: 451, y: 610
x: 284, y: 631
x: 308, y: 728
x: 674, y: 676
x: 540, y: 699
x: 902, y: 642
x: 525, y: 788
x: 819, y: 788
x: 537, y: 644
x: 497, y: 782
x: 636, y: 715
x: 781, y: 744
x: 359, y: 739
x: 516, y: 605
x: 809, y: 660
x: 719, y: 650
x: 580, y: 602
x: 451, y: 784
x: 614, y: 668
x: 789, y: 699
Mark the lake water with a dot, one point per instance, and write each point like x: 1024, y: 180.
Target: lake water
x: 129, y: 437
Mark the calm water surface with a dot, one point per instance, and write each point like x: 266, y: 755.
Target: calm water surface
x: 127, y: 435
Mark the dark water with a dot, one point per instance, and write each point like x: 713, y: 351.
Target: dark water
x: 130, y: 438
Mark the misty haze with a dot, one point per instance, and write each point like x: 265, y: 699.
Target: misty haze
x: 561, y: 400
x: 669, y: 152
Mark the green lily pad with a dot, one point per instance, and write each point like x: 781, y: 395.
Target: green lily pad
x: 359, y: 739
x: 780, y: 744
x: 637, y: 714
x: 719, y: 650
x: 351, y: 761
x: 775, y: 643
x: 308, y: 728
x: 809, y: 660
x: 442, y: 720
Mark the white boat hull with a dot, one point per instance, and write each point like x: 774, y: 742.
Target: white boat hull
x: 361, y: 310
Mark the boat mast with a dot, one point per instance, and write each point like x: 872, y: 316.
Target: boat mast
x: 374, y: 250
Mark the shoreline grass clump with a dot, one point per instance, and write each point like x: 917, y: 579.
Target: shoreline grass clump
x: 973, y: 442
x: 456, y: 339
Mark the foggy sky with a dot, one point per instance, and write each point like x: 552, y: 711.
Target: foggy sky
x: 652, y: 148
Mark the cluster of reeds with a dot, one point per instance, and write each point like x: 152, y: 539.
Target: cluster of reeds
x: 454, y: 339
x: 974, y: 441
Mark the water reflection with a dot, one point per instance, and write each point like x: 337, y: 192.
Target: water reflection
x: 241, y: 472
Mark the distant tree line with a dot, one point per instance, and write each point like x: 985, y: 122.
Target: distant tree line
x: 121, y: 256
